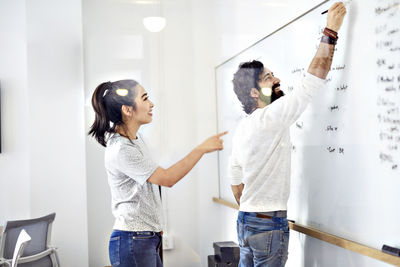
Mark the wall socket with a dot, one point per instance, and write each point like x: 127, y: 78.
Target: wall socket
x: 168, y: 242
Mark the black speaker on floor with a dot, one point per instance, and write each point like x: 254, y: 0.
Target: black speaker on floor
x: 226, y: 255
x: 214, y: 262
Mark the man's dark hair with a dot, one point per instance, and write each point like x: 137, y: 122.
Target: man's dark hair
x: 244, y: 80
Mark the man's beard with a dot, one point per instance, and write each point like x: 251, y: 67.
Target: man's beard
x: 276, y: 95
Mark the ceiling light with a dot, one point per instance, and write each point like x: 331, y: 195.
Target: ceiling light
x: 154, y: 24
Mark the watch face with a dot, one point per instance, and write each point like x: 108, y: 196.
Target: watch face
x: 328, y: 40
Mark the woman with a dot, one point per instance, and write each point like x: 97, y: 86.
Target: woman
x: 121, y: 107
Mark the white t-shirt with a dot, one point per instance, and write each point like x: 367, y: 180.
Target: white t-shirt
x: 136, y: 203
x: 261, y: 150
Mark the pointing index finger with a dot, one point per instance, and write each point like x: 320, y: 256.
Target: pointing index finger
x: 221, y: 134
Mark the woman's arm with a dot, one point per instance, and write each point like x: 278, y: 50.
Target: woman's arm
x: 169, y: 177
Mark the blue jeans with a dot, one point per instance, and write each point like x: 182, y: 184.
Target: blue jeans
x: 135, y: 249
x: 262, y: 242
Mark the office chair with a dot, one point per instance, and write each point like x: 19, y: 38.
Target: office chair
x: 38, y: 253
x: 23, y: 240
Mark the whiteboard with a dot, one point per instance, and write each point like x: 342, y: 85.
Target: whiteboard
x: 346, y: 145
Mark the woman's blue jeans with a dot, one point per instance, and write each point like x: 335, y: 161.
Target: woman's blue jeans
x: 135, y: 249
x: 263, y: 242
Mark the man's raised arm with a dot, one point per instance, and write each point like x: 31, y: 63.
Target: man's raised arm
x: 322, y: 60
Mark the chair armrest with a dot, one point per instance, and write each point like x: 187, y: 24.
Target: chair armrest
x: 3, y: 261
x: 36, y: 256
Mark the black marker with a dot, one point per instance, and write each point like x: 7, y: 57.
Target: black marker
x: 391, y: 250
x: 344, y: 2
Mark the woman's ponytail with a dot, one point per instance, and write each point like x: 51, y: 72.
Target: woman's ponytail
x: 107, y: 101
x: 101, y: 124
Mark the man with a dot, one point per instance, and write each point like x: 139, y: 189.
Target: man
x: 259, y: 166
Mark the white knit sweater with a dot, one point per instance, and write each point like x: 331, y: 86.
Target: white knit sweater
x: 261, y: 150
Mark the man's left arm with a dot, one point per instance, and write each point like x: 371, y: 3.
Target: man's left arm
x: 237, y: 191
x: 235, y: 175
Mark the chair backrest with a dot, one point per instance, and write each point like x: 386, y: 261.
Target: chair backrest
x: 22, y: 241
x: 39, y: 229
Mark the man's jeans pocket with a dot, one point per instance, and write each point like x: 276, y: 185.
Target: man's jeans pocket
x: 267, y: 245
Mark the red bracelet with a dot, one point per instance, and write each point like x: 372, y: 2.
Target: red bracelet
x: 330, y: 33
x: 326, y: 28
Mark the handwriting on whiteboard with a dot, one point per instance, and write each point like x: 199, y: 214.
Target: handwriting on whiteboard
x: 387, y: 43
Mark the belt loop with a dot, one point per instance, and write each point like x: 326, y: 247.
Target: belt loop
x: 242, y: 215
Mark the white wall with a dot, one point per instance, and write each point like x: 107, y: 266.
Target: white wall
x: 14, y: 158
x: 43, y: 165
x: 55, y: 82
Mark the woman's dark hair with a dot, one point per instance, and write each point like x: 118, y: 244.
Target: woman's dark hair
x: 107, y: 101
x: 244, y: 80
